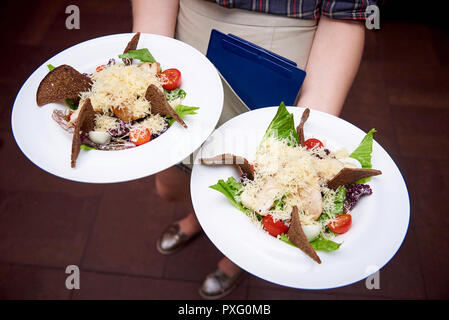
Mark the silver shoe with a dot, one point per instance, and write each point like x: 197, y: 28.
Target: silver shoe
x: 173, y: 240
x: 217, y: 285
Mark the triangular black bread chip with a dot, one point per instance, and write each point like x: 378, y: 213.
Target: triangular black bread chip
x: 61, y: 83
x: 132, y: 45
x: 84, y: 124
x: 348, y: 176
x: 159, y: 104
x: 300, y: 127
x: 298, y: 238
x: 243, y: 165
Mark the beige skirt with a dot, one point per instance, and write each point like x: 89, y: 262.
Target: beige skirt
x: 289, y: 37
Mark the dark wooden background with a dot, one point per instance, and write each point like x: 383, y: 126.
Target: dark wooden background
x: 110, y: 231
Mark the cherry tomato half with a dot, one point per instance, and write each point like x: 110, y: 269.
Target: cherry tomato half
x: 313, y: 143
x: 171, y: 79
x: 99, y: 68
x: 69, y: 115
x: 139, y: 135
x: 341, y: 224
x: 274, y: 228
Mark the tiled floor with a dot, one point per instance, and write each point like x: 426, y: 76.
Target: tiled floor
x: 47, y: 223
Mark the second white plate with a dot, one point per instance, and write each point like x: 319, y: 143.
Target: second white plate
x: 380, y: 221
x: 49, y: 147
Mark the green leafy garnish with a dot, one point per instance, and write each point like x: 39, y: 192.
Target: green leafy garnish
x: 322, y: 244
x: 70, y: 102
x: 143, y: 55
x: 363, y: 153
x: 172, y: 95
x: 231, y: 189
x: 282, y: 126
x: 338, y: 200
x: 319, y: 244
x: 340, y: 196
x: 87, y: 148
x: 182, y: 111
x: 278, y: 204
x: 284, y: 237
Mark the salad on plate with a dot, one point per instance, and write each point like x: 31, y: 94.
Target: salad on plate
x: 120, y: 105
x: 296, y: 189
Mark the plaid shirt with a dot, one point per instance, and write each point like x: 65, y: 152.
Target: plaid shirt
x: 305, y: 9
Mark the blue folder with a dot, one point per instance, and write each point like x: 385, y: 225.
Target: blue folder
x: 259, y: 77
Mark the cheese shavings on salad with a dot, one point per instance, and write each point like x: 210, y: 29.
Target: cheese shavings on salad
x: 288, y: 175
x: 123, y: 115
x: 120, y: 86
x: 118, y: 106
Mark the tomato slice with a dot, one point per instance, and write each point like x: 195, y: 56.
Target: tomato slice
x: 341, y: 224
x: 274, y: 228
x: 69, y: 115
x: 313, y: 143
x: 139, y: 135
x: 171, y: 79
x: 99, y: 68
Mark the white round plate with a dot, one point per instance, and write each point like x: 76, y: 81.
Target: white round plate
x: 48, y: 146
x: 379, y: 225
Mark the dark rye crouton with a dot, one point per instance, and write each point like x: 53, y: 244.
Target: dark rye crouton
x: 84, y: 124
x: 61, y: 83
x: 243, y: 165
x: 159, y: 104
x: 300, y: 127
x: 132, y: 45
x: 348, y: 176
x: 298, y: 238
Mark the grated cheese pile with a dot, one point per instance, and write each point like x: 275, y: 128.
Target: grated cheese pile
x: 288, y: 173
x: 121, y: 86
x: 156, y: 123
x: 328, y: 203
x: 105, y: 123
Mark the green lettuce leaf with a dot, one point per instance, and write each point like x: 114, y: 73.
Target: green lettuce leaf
x: 70, y: 102
x: 171, y: 95
x: 279, y: 203
x: 231, y: 189
x: 319, y: 244
x: 339, y: 200
x: 143, y: 55
x: 284, y: 237
x: 322, y: 244
x: 283, y: 126
x: 340, y: 196
x: 182, y: 111
x: 363, y: 153
x: 86, y: 147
